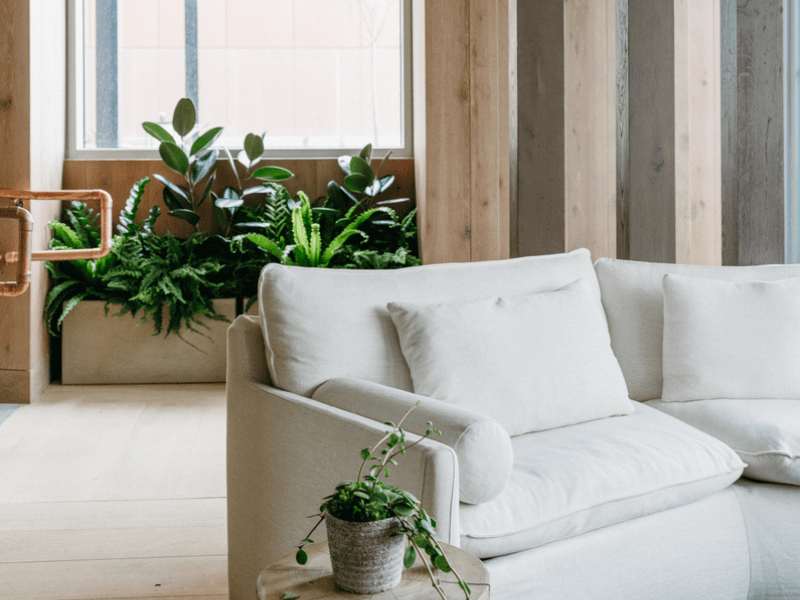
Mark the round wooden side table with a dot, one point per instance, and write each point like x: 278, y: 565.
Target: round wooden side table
x: 314, y: 581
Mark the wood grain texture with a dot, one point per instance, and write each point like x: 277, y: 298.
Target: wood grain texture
x: 314, y: 580
x: 442, y: 128
x: 75, y: 466
x: 728, y: 135
x: 651, y: 63
x: 541, y: 222
x: 760, y: 204
x: 489, y: 150
x: 311, y: 175
x: 590, y: 126
x: 623, y: 132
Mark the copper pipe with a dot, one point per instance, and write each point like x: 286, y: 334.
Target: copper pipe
x: 82, y: 196
x: 23, y: 258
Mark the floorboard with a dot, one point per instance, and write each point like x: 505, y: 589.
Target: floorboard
x: 114, y: 492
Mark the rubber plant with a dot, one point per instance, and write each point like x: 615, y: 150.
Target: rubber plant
x: 368, y: 498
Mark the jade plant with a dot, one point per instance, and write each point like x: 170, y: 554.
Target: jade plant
x: 369, y: 498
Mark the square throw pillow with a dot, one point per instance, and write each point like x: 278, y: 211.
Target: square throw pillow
x: 531, y: 362
x: 727, y: 339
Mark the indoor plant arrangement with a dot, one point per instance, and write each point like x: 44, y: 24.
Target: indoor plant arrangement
x: 368, y: 520
x: 150, y: 274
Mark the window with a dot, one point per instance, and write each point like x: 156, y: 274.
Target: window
x: 320, y: 76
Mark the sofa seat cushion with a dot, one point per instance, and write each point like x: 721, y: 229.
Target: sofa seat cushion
x: 320, y: 324
x: 764, y: 433
x: 570, y: 480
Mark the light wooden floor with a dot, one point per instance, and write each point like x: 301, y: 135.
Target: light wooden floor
x: 115, y: 492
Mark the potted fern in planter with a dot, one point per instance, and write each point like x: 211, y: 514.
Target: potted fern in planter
x: 375, y: 529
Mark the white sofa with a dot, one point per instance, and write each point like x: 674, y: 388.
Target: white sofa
x: 634, y: 505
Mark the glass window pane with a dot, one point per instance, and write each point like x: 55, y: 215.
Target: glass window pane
x: 314, y: 74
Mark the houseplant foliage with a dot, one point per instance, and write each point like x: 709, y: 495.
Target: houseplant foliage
x: 143, y: 273
x: 256, y: 221
x: 370, y: 499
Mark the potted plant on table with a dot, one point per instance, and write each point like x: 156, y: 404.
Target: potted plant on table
x: 368, y: 522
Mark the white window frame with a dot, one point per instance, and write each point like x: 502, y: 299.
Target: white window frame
x: 75, y: 99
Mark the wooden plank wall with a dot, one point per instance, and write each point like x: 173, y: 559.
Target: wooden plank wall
x: 311, y: 175
x: 565, y: 128
x: 754, y: 224
x: 461, y: 128
x: 32, y: 129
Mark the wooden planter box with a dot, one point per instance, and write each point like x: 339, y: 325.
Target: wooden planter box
x: 106, y: 349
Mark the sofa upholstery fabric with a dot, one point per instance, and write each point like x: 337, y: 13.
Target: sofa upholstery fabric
x: 574, y: 479
x: 632, y: 298
x: 483, y: 446
x: 530, y: 361
x: 764, y: 433
x: 325, y: 323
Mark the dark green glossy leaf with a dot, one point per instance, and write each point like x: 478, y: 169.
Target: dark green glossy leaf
x: 253, y: 146
x: 254, y: 225
x: 243, y: 160
x: 410, y: 557
x: 171, y: 201
x: 421, y: 541
x: 386, y: 182
x: 365, y: 454
x: 221, y: 216
x: 158, y: 132
x: 205, y: 140
x: 228, y: 202
x: 174, y: 157
x: 383, y: 163
x: 204, y: 164
x: 393, y: 201
x: 360, y: 166
x: 463, y: 585
x: 256, y: 189
x: 326, y: 211
x: 404, y: 510
x: 301, y: 557
x: 356, y: 183
x: 181, y: 192
x: 209, y: 183
x: 272, y: 174
x: 366, y: 153
x: 344, y: 163
x: 440, y: 562
x: 187, y: 215
x: 184, y: 117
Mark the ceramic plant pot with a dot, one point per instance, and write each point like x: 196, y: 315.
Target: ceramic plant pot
x: 364, y: 558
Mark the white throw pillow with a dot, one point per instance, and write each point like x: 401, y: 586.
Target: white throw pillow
x: 764, y: 433
x: 531, y: 362
x: 731, y: 339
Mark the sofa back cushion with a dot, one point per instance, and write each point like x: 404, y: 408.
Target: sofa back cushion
x: 633, y: 300
x: 325, y: 323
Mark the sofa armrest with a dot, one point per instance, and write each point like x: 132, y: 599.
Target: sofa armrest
x: 483, y: 446
x: 285, y: 453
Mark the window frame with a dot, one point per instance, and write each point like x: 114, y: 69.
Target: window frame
x: 75, y: 100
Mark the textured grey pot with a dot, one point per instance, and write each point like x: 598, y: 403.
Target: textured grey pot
x: 364, y: 558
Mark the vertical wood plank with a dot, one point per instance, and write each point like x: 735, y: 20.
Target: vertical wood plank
x: 623, y: 132
x: 489, y: 129
x: 589, y: 130
x: 651, y: 62
x: 760, y: 132
x: 729, y: 159
x: 513, y: 134
x: 442, y: 128
x: 540, y: 87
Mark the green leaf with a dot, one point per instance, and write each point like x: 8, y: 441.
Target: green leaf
x: 184, y: 117
x: 290, y: 595
x: 229, y: 202
x: 386, y: 183
x: 189, y: 216
x: 440, y: 562
x: 355, y: 182
x: 366, y: 153
x: 205, y: 140
x: 204, y: 164
x: 174, y: 157
x: 158, y: 132
x: 360, y: 166
x: 383, y: 162
x: 272, y: 174
x: 365, y: 454
x: 410, y: 557
x: 421, y: 541
x: 404, y: 510
x: 209, y: 184
x: 253, y: 146
x: 301, y: 557
x: 344, y: 163
x: 360, y: 494
x: 463, y: 585
x: 171, y: 200
x: 181, y: 192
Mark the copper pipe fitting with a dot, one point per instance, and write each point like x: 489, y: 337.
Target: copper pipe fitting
x: 81, y: 196
x: 23, y: 258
